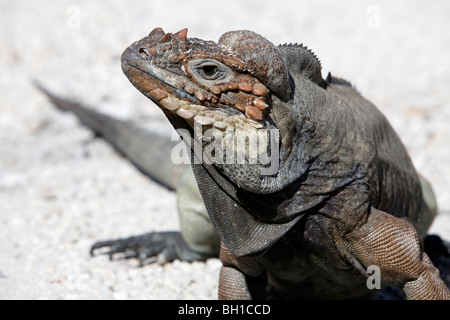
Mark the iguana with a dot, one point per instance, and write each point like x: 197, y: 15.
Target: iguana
x: 344, y: 197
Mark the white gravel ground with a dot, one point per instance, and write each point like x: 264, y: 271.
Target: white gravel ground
x: 61, y: 190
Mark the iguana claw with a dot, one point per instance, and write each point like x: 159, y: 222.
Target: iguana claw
x: 160, y: 247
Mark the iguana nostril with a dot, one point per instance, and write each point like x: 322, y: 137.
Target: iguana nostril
x: 144, y: 52
x: 148, y: 51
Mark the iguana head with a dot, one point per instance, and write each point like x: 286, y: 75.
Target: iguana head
x: 224, y: 84
x: 242, y: 84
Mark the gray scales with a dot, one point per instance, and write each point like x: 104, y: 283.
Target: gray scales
x: 345, y: 196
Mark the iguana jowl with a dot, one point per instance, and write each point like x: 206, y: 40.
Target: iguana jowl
x: 346, y: 195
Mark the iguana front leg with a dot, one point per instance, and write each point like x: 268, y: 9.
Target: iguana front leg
x: 394, y: 246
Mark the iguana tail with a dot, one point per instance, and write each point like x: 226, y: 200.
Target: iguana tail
x: 148, y: 151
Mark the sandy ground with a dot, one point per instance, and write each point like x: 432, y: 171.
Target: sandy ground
x: 61, y: 189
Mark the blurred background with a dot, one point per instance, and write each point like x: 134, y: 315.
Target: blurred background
x: 61, y: 189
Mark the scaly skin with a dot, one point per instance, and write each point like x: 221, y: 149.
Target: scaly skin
x: 344, y: 196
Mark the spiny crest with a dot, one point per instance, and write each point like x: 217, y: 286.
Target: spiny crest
x: 159, y: 35
x: 302, y: 47
x: 301, y: 60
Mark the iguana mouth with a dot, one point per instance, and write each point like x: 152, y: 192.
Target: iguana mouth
x: 157, y: 66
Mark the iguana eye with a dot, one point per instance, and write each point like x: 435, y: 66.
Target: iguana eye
x: 206, y: 71
x: 209, y: 72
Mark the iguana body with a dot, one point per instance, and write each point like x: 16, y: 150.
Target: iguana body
x: 345, y: 195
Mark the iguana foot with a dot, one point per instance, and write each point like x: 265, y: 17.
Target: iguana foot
x: 161, y: 247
